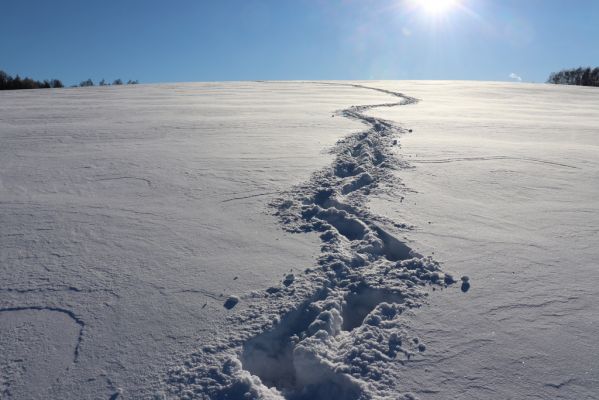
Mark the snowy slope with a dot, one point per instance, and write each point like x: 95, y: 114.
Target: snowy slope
x: 133, y: 219
x: 504, y: 188
x: 126, y: 213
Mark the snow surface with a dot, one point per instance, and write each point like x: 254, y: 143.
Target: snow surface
x: 504, y: 189
x: 216, y: 241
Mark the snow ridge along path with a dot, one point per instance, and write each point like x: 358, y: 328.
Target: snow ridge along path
x: 337, y: 330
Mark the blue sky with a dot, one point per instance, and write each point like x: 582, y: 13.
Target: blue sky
x: 202, y: 40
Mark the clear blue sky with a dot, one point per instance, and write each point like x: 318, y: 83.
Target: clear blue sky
x: 207, y: 40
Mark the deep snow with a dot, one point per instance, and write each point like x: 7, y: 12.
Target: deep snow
x: 200, y: 240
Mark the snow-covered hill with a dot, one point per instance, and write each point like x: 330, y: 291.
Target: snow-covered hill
x: 217, y: 241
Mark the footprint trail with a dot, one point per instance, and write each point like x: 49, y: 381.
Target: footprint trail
x: 337, y: 330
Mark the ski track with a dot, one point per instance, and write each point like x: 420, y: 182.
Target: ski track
x: 65, y: 311
x: 491, y: 158
x: 336, y: 330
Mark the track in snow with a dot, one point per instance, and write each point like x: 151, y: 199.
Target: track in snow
x: 337, y: 329
x: 64, y: 311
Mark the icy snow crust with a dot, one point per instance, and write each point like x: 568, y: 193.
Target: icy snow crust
x: 338, y: 330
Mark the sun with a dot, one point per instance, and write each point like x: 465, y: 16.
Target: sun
x: 437, y: 7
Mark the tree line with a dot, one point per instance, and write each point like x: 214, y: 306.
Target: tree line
x: 103, y: 82
x: 8, y: 82
x: 576, y: 76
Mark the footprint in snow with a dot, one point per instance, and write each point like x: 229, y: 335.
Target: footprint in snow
x: 231, y: 302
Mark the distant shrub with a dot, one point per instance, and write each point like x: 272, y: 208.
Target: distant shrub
x: 130, y: 82
x: 86, y: 83
x: 117, y: 82
x: 103, y: 83
x: 576, y: 76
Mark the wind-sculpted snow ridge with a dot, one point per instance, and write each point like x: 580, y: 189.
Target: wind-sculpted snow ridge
x: 336, y: 331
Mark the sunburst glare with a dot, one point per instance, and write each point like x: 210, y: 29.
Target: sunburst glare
x: 437, y: 7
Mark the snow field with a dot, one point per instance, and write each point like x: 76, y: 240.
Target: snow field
x: 335, y: 332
